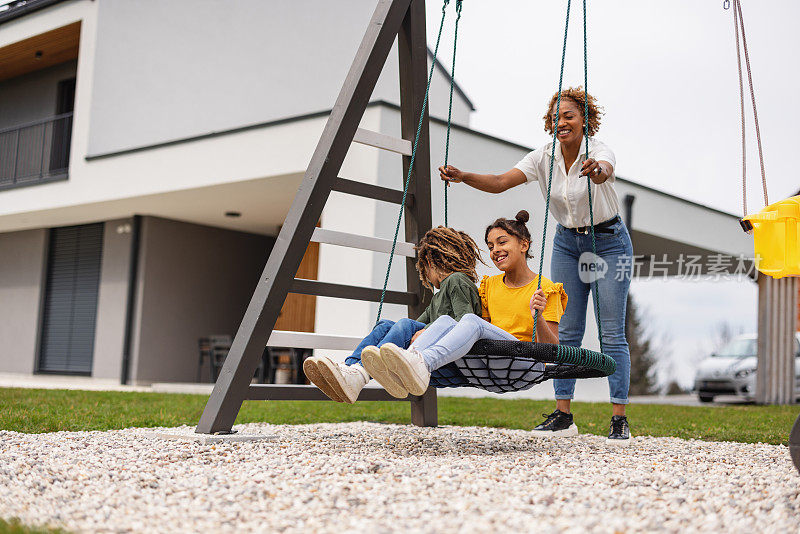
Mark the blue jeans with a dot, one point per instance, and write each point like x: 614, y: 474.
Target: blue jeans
x: 386, y: 331
x: 446, y: 342
x: 616, y: 250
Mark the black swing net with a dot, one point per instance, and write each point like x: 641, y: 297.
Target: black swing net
x: 497, y: 365
x: 503, y: 366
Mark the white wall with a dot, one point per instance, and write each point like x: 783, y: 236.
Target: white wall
x: 112, y: 300
x: 22, y: 265
x: 189, y: 67
x: 356, y: 215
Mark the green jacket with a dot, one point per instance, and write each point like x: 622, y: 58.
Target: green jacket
x: 457, y: 296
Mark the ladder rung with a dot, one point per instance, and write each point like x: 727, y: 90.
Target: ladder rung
x: 383, y: 141
x: 327, y: 289
x: 375, y: 244
x: 376, y: 192
x: 299, y: 392
x: 311, y: 340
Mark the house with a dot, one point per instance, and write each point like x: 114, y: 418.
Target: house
x: 149, y: 152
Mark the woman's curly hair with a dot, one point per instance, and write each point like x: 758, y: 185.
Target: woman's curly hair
x: 447, y: 250
x: 578, y: 96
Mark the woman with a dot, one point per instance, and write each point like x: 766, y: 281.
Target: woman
x: 569, y: 205
x: 509, y: 302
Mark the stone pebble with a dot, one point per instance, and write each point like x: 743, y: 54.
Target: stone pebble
x: 370, y: 477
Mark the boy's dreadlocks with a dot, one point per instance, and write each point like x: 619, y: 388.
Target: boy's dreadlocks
x: 448, y: 250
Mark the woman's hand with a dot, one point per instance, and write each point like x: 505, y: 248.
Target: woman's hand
x: 451, y: 174
x: 591, y: 168
x: 598, y: 171
x: 538, y: 302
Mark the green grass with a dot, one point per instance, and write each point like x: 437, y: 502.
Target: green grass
x: 14, y: 527
x: 35, y: 411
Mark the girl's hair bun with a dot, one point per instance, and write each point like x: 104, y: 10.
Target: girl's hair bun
x: 515, y: 227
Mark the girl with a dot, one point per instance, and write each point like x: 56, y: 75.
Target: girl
x: 569, y: 205
x: 446, y: 260
x: 509, y: 302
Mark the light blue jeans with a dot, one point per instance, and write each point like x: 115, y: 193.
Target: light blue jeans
x: 446, y: 341
x: 386, y: 331
x: 616, y: 250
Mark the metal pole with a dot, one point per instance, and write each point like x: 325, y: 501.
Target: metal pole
x: 16, y: 160
x: 41, y: 160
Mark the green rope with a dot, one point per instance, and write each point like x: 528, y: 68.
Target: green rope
x: 595, y: 295
x: 552, y: 159
x: 586, y: 358
x: 450, y: 109
x: 413, y: 157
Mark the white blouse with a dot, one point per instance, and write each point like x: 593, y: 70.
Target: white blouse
x: 569, y: 198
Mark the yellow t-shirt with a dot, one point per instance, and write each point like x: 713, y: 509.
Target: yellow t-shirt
x: 509, y: 307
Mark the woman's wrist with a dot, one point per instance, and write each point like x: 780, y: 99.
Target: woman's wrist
x: 604, y: 173
x: 469, y: 178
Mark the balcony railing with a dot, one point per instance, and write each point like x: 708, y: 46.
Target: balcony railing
x: 36, y: 152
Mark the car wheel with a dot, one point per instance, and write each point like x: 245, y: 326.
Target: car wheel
x: 705, y: 398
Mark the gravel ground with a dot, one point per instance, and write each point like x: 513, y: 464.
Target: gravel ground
x: 358, y: 477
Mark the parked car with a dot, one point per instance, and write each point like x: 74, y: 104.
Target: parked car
x: 732, y: 370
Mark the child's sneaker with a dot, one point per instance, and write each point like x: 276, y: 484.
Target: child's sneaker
x: 313, y: 371
x: 619, y: 434
x: 340, y: 382
x: 371, y: 359
x: 556, y: 425
x: 407, y: 365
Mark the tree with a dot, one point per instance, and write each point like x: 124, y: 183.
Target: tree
x: 673, y: 388
x: 723, y: 333
x: 642, y: 351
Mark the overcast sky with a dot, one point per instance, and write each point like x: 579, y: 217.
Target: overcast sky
x: 666, y: 74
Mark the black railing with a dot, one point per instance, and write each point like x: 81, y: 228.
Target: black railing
x: 35, y: 152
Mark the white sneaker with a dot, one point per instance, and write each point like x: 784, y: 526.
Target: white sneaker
x: 408, y: 365
x: 312, y: 368
x: 340, y: 382
x: 371, y: 358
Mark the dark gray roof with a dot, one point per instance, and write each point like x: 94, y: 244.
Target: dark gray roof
x: 17, y: 8
x: 447, y: 75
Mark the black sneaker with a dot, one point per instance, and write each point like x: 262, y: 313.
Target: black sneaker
x: 619, y: 434
x: 556, y: 425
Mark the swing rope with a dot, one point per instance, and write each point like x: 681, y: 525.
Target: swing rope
x: 595, y: 294
x: 738, y: 22
x: 450, y: 109
x: 413, y: 158
x: 552, y: 160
